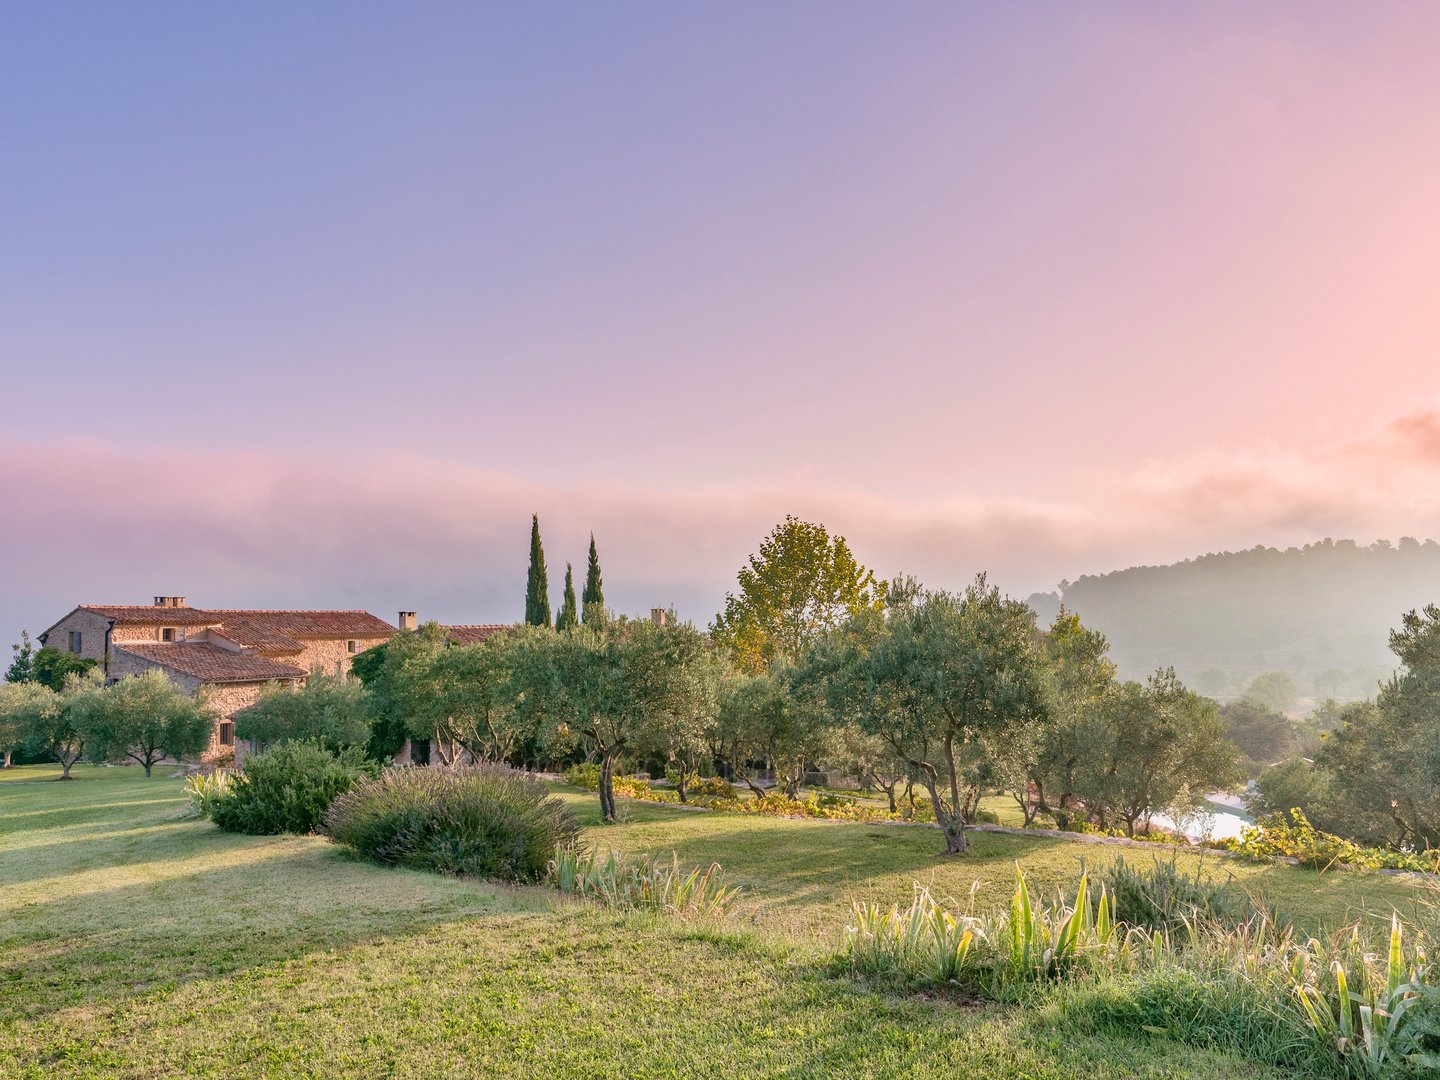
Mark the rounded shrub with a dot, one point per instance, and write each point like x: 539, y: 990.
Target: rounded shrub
x: 287, y: 789
x: 487, y: 820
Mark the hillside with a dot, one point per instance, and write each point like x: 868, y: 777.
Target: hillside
x: 1322, y: 612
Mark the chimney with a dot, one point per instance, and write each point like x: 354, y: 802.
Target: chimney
x: 169, y: 601
x: 406, y: 621
x: 659, y: 616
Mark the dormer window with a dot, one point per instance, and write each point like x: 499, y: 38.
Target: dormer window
x: 351, y: 646
x: 167, y: 633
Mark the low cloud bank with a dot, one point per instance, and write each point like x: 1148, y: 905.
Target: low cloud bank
x: 92, y: 522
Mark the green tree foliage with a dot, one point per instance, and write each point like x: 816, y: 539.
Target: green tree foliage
x: 635, y: 687
x: 52, y: 667
x: 592, y: 599
x: 26, y: 713
x: 569, y: 616
x: 537, y: 585
x: 1383, y: 763
x: 1262, y: 732
x: 398, y: 676
x: 48, y: 723
x: 388, y: 730
x: 465, y: 698
x: 1323, y: 719
x: 802, y: 584
x: 142, y: 718
x: 22, y: 665
x: 776, y: 720
x: 1157, y: 745
x: 937, y: 680
x: 1274, y: 690
x: 1080, y: 682
x: 1295, y: 784
x: 326, y: 709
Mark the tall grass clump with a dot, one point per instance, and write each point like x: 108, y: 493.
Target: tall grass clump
x: 1163, y: 896
x: 1032, y: 941
x: 1325, y: 1006
x: 205, y: 792
x: 284, y: 790
x: 923, y: 939
x: 641, y: 884
x: 487, y: 820
x: 1380, y: 1013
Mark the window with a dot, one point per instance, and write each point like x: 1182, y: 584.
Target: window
x: 74, y: 640
x: 227, y: 733
x: 350, y: 646
x: 167, y: 633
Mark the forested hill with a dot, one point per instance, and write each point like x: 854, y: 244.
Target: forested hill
x: 1322, y: 613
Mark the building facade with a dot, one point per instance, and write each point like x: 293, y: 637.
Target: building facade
x: 225, y: 655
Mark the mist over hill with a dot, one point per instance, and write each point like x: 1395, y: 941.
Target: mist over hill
x: 1322, y: 612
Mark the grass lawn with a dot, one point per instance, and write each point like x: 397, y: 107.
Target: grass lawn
x: 135, y: 943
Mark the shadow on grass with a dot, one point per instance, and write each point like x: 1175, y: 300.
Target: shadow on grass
x: 128, y: 941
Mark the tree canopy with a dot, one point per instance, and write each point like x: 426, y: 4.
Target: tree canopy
x: 802, y: 584
x: 142, y: 718
x: 327, y: 710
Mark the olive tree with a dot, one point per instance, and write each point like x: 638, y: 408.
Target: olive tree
x: 936, y: 679
x: 1155, y: 744
x: 326, y: 709
x: 1080, y: 680
x: 48, y: 723
x: 142, y: 718
x: 25, y: 709
x: 633, y: 687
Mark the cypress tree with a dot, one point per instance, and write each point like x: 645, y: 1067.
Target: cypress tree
x: 22, y: 668
x: 537, y: 588
x: 568, y: 617
x: 593, y: 598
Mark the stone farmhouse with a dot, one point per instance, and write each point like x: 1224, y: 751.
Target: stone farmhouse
x: 229, y: 655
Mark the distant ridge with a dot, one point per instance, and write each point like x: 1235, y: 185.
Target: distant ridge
x: 1322, y: 612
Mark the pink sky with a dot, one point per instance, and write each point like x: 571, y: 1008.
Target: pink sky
x: 320, y: 317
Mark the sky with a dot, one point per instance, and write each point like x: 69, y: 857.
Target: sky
x: 314, y: 305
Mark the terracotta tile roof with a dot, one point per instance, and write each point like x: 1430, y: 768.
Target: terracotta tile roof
x: 210, y: 663
x: 254, y: 634
x: 311, y: 624
x: 151, y: 615
x: 473, y: 635
x: 257, y: 623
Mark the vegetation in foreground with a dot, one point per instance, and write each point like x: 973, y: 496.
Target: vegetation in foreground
x: 136, y: 943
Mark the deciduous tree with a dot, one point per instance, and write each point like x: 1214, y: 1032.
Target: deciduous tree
x: 802, y: 584
x: 634, y: 687
x: 23, y: 709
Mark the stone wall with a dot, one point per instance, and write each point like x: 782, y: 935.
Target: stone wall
x: 92, y: 634
x: 330, y: 657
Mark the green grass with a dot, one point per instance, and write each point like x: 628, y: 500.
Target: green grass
x: 134, y: 944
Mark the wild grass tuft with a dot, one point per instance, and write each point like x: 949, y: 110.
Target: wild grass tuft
x: 642, y: 884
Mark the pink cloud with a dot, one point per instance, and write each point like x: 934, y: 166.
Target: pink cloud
x: 88, y: 521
